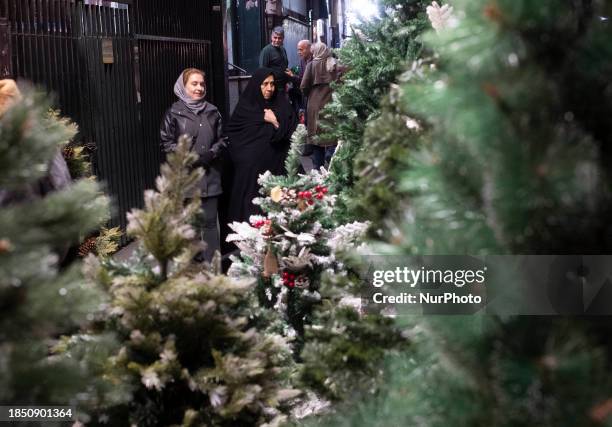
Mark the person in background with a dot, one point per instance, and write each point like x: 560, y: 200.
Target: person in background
x: 274, y: 57
x: 57, y: 177
x: 305, y: 54
x: 259, y: 130
x: 318, y: 76
x: 201, y: 121
x: 9, y: 94
x: 58, y: 174
x: 298, y: 100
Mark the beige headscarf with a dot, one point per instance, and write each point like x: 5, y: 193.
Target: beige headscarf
x: 322, y: 69
x: 320, y: 52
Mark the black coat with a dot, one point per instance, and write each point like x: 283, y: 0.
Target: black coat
x: 209, y: 143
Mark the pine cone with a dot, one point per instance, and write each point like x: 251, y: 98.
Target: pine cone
x: 68, y: 152
x: 87, y: 247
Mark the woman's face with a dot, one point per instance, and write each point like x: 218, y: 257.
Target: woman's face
x: 267, y: 87
x: 195, y: 86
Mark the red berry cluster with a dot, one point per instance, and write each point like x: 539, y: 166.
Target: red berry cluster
x: 260, y: 223
x: 307, y: 195
x: 321, y: 191
x: 288, y: 279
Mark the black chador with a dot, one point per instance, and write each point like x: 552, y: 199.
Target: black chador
x: 255, y: 147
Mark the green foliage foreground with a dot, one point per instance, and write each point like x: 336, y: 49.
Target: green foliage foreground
x: 511, y: 156
x: 38, y: 301
x: 190, y: 352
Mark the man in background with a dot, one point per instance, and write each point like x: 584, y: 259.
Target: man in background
x: 301, y: 103
x: 305, y: 54
x: 295, y: 94
x: 274, y: 56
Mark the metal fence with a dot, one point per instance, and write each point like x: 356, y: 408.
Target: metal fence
x: 176, y: 18
x: 44, y: 49
x: 112, y: 67
x: 167, y: 56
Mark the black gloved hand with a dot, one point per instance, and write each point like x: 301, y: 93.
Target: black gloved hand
x: 204, y: 160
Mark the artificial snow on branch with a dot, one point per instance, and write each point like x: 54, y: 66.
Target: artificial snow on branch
x: 440, y: 16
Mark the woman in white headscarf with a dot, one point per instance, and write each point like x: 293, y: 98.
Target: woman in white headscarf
x: 319, y: 73
x: 201, y: 120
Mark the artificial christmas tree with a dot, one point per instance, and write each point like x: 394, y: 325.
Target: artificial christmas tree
x: 38, y: 301
x: 296, y: 252
x: 191, y: 353
x: 289, y: 249
x: 515, y: 161
x: 388, y: 141
x: 374, y: 58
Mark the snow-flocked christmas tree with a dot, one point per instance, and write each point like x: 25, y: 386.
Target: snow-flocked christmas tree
x: 191, y: 353
x: 297, y: 251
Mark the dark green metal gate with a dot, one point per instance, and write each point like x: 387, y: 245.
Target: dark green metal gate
x: 107, y: 48
x: 112, y: 66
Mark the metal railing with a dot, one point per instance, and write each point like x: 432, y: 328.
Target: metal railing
x: 242, y: 70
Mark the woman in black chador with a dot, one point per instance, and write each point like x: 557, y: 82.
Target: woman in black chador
x: 259, y: 131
